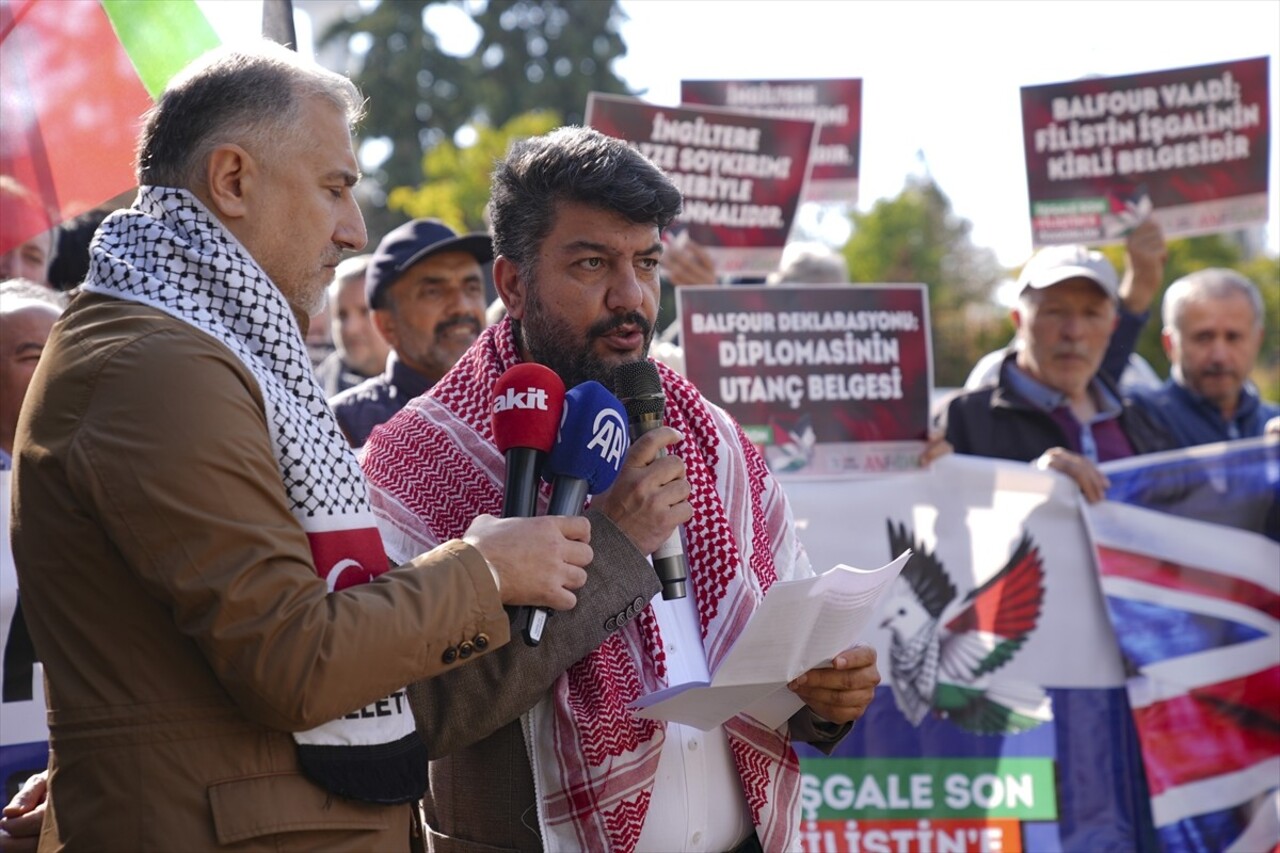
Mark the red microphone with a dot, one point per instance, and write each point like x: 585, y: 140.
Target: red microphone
x: 527, y: 402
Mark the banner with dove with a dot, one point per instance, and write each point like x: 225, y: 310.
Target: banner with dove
x: 1002, y: 722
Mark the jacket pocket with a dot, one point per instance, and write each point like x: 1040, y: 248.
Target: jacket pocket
x: 286, y: 802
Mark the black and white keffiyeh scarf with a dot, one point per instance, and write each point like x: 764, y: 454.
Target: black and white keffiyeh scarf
x: 170, y: 253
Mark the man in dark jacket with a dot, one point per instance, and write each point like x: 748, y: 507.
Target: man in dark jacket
x: 425, y: 286
x: 1050, y: 405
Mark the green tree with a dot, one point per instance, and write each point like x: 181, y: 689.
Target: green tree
x: 456, y: 188
x: 543, y: 54
x: 916, y: 237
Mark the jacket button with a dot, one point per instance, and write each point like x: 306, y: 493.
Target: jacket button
x: 630, y: 612
x: 466, y: 649
x: 450, y: 654
x: 638, y: 604
x: 611, y: 624
x: 481, y: 642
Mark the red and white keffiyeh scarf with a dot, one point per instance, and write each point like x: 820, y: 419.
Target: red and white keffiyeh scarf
x: 169, y: 252
x: 435, y: 467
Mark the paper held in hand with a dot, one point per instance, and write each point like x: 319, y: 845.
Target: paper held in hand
x: 800, y: 624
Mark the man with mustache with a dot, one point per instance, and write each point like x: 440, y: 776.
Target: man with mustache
x: 1049, y: 403
x: 1212, y: 334
x: 426, y: 289
x: 539, y: 750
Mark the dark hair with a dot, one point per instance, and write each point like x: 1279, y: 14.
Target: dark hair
x: 576, y: 164
x: 248, y: 95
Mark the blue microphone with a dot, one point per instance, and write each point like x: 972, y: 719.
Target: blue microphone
x: 585, y: 460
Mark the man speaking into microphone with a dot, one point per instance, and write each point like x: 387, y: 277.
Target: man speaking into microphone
x: 534, y: 747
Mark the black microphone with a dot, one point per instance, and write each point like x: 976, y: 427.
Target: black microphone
x: 586, y: 459
x: 527, y: 403
x: 639, y: 387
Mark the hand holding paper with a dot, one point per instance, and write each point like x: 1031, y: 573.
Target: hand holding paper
x: 798, y: 630
x: 840, y: 693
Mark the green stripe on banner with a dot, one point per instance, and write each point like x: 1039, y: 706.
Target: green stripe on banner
x: 160, y: 36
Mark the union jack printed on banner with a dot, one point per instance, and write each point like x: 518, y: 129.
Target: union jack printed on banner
x: 1189, y: 552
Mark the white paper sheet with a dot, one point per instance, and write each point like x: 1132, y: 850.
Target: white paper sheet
x: 800, y: 624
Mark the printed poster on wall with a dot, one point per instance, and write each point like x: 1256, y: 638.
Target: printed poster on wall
x: 827, y: 380
x: 1188, y: 146
x: 835, y: 104
x: 741, y: 174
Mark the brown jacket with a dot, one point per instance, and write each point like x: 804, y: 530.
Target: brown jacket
x: 172, y: 598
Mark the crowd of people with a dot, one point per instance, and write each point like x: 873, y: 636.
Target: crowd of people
x: 271, y: 590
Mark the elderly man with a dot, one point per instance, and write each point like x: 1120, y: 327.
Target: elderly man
x: 1049, y: 403
x: 359, y: 351
x: 546, y: 753
x: 426, y: 289
x: 27, y: 314
x: 224, y: 644
x: 1212, y: 333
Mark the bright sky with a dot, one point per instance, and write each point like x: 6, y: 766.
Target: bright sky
x: 944, y: 77
x: 940, y: 77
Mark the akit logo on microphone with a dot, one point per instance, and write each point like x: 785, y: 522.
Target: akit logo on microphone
x: 534, y: 398
x: 609, y: 437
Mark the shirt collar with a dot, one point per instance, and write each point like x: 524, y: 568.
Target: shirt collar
x: 1047, y: 399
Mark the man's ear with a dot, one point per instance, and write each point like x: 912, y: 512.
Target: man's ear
x: 1166, y: 340
x: 386, y: 325
x: 231, y: 175
x: 1015, y: 314
x: 512, y: 290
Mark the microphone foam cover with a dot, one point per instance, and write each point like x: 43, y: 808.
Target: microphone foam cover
x: 593, y: 438
x: 637, y: 379
x: 527, y: 401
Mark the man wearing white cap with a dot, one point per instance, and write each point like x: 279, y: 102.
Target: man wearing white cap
x: 1050, y: 404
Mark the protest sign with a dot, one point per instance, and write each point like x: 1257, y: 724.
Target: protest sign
x: 741, y: 175
x: 835, y: 104
x: 1188, y: 145
x: 825, y: 379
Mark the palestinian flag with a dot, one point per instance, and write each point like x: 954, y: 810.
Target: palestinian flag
x: 77, y: 76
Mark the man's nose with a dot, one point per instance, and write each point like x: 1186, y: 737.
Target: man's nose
x: 350, y: 232
x: 625, y: 292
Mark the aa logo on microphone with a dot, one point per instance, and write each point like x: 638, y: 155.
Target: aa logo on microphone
x: 609, y: 437
x: 533, y: 398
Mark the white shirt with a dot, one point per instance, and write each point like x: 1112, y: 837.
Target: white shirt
x: 697, y: 803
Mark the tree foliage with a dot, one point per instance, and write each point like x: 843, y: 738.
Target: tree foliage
x: 456, y: 185
x: 916, y: 237
x: 531, y: 54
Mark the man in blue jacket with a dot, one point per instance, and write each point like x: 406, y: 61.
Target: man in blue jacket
x: 1212, y: 334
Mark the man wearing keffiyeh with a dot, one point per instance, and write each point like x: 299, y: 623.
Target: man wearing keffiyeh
x: 534, y: 748
x: 224, y: 644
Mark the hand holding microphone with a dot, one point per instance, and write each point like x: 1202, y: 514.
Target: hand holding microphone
x: 654, y: 481
x: 585, y: 460
x: 527, y: 404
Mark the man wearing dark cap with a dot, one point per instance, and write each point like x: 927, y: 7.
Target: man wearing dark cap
x: 426, y: 288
